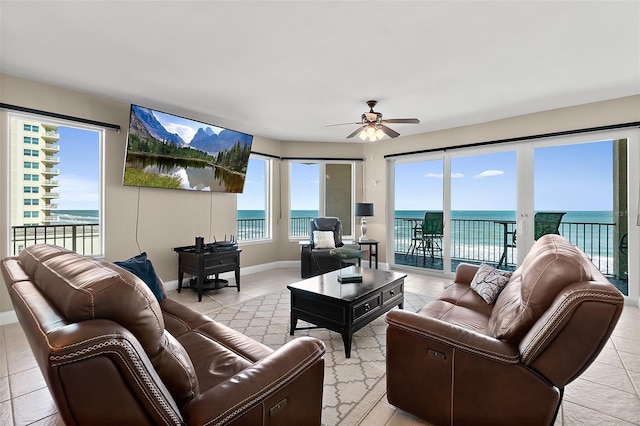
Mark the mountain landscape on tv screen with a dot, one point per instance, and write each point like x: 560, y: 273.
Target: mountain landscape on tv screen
x: 210, y: 161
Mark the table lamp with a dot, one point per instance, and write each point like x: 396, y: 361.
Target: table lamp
x: 364, y: 210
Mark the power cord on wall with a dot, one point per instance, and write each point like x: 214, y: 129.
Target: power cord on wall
x: 138, y: 221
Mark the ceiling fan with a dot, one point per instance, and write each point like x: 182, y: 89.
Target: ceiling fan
x: 372, y: 127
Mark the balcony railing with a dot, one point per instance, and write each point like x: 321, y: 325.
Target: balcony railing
x: 251, y: 229
x: 484, y: 241
x: 83, y: 238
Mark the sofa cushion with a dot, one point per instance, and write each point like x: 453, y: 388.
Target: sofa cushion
x: 84, y: 289
x: 552, y: 264
x: 488, y: 282
x: 143, y: 269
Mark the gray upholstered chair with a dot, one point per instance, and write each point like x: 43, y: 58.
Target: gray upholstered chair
x: 315, y: 258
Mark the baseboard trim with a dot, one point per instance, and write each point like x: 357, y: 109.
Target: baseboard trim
x: 8, y: 317
x: 247, y: 270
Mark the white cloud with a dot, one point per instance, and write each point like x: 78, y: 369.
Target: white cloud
x: 440, y: 175
x: 489, y: 173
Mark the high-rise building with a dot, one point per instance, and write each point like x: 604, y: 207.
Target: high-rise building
x: 34, y: 172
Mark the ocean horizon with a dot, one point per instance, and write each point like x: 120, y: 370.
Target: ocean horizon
x: 582, y: 216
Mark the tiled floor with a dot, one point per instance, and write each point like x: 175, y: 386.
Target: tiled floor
x: 607, y: 393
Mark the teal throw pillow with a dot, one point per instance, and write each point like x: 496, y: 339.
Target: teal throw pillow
x: 141, y: 267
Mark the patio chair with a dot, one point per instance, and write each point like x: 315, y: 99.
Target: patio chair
x: 543, y: 223
x: 431, y: 235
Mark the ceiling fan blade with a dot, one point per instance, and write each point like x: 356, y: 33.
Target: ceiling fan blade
x: 389, y: 132
x: 355, y: 132
x: 402, y: 120
x: 341, y: 124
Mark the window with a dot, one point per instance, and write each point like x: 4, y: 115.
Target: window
x: 320, y: 188
x: 253, y: 209
x: 70, y: 201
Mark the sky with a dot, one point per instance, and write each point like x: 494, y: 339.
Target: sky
x: 563, y: 175
x: 79, y: 172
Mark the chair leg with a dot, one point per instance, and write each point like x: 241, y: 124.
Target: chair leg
x: 555, y: 415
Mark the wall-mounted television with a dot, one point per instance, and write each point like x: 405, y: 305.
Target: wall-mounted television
x: 168, y: 151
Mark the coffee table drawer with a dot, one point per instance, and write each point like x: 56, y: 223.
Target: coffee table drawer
x: 365, y: 307
x: 392, y: 293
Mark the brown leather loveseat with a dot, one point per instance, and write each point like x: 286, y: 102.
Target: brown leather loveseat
x: 112, y: 354
x: 463, y: 360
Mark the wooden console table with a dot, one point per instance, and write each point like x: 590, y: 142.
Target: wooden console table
x: 210, y: 261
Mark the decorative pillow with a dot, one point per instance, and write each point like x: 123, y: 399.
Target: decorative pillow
x: 141, y: 267
x: 488, y: 282
x: 323, y: 239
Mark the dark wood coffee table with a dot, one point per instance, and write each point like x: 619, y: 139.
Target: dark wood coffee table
x: 345, y: 308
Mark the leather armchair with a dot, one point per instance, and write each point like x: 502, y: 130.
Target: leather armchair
x: 314, y: 260
x: 462, y: 361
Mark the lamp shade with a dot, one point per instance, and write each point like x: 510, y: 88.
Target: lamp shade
x: 364, y: 209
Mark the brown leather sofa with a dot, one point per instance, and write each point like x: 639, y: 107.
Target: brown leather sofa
x: 112, y: 354
x: 460, y: 360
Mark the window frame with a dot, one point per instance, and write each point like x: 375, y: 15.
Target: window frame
x: 98, y: 250
x: 268, y: 201
x: 322, y: 172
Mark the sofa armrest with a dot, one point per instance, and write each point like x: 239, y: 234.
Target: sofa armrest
x: 451, y: 335
x: 286, y: 386
x: 465, y: 273
x: 120, y: 372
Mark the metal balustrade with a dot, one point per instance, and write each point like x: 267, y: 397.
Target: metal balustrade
x: 484, y: 240
x: 83, y: 238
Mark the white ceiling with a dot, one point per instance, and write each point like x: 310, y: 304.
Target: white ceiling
x: 286, y: 69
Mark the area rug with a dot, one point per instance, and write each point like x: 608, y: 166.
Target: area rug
x: 351, y: 386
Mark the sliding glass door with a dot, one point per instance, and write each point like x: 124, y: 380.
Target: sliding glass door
x: 497, y: 200
x: 483, y: 208
x: 418, y: 189
x: 580, y: 192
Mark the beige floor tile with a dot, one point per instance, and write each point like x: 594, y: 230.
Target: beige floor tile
x: 6, y: 414
x: 5, y: 393
x: 32, y: 407
x: 577, y: 415
x: 635, y: 379
x: 20, y: 361
x: 610, y: 356
x: 54, y: 420
x: 613, y: 377
x: 625, y: 344
x: 604, y: 399
x: 630, y: 361
x: 380, y: 414
x: 15, y: 339
x: 400, y: 418
x: 26, y: 381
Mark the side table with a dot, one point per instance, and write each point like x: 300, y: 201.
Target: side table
x: 206, y: 263
x: 373, y: 250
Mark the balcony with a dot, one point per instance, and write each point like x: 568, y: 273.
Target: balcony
x: 50, y: 136
x: 50, y: 195
x: 50, y: 148
x: 50, y: 171
x: 50, y: 206
x: 50, y: 183
x: 50, y: 159
x: 83, y: 238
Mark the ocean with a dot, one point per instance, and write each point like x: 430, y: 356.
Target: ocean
x: 476, y: 234
x: 91, y: 216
